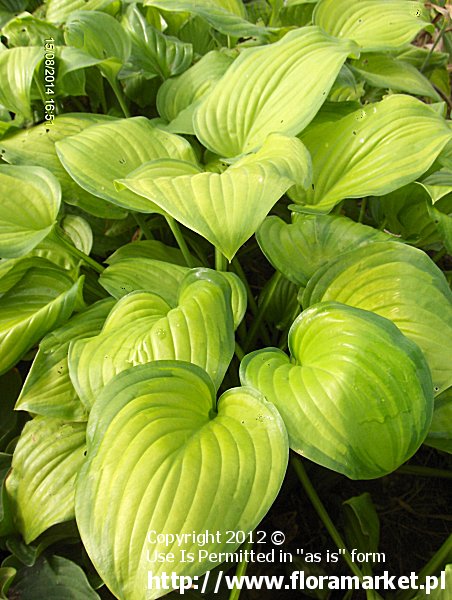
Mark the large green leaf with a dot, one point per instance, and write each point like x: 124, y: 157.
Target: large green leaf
x: 52, y: 578
x: 27, y: 30
x: 164, y: 279
x: 152, y: 249
x: 228, y: 18
x: 164, y: 458
x: 440, y: 432
x: 30, y: 201
x: 300, y: 248
x: 385, y: 71
x: 356, y: 397
x: 43, y: 299
x: 373, y: 24
x: 41, y: 484
x: 48, y: 389
x: 36, y: 146
x: 178, y: 97
x: 224, y: 208
x: 274, y: 88
x: 98, y: 155
x: 372, y: 151
x: 143, y: 327
x: 400, y: 283
x: 437, y: 184
x: 154, y: 53
x: 59, y: 10
x: 17, y: 67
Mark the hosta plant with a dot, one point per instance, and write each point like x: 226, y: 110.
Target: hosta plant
x: 224, y: 229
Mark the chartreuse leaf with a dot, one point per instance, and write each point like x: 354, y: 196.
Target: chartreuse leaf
x: 36, y: 147
x: 362, y: 528
x: 59, y: 10
x: 30, y: 203
x: 163, y: 278
x: 43, y: 299
x: 224, y: 208
x: 17, y: 67
x: 440, y: 432
x: 97, y: 156
x: 398, y: 282
x: 152, y: 249
x: 53, y: 578
x: 298, y: 249
x: 373, y: 24
x: 385, y: 71
x: 372, y: 151
x: 48, y: 389
x: 154, y: 53
x: 227, y: 17
x: 185, y: 464
x: 46, y: 460
x: 356, y: 397
x: 274, y: 88
x: 27, y: 30
x: 79, y: 231
x: 143, y: 327
x: 178, y: 97
x: 437, y: 184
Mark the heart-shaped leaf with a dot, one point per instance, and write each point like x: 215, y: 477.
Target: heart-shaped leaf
x: 398, y: 282
x: 225, y: 208
x: 179, y: 96
x: 162, y: 278
x: 30, y: 203
x: 372, y: 151
x: 373, y: 24
x: 43, y: 299
x: 36, y: 147
x: 185, y: 466
x: 48, y: 389
x: 41, y: 484
x: 97, y: 156
x: 152, y: 249
x: 298, y: 249
x: 274, y: 88
x: 356, y: 396
x: 143, y: 327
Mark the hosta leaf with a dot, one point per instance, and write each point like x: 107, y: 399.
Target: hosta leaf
x: 164, y: 279
x: 143, y: 327
x: 36, y: 146
x: 41, y: 485
x: 298, y: 249
x: 224, y: 208
x: 79, y: 231
x: 52, y: 578
x: 443, y: 591
x: 178, y: 97
x: 346, y: 87
x: 438, y: 184
x: 152, y: 249
x: 385, y: 71
x: 30, y: 203
x: 17, y: 67
x: 373, y: 151
x: 43, y: 299
x: 59, y: 10
x: 373, y: 24
x: 274, y: 88
x: 98, y: 155
x: 440, y: 432
x: 48, y: 389
x: 356, y: 396
x: 219, y: 15
x: 443, y: 222
x: 27, y: 30
x: 154, y: 53
x: 400, y: 283
x: 156, y: 437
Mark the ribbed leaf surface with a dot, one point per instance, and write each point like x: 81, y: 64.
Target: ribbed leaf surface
x: 373, y: 24
x: 224, y: 208
x: 400, y: 283
x: 372, y: 151
x: 160, y: 459
x: 17, y: 67
x: 356, y: 397
x: 41, y: 485
x: 274, y: 88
